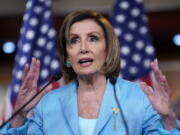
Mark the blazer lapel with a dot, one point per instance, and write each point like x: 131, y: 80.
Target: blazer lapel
x: 106, y: 108
x: 69, y: 104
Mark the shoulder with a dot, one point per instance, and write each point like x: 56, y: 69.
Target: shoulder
x: 131, y: 94
x: 129, y: 89
x: 125, y: 84
x: 59, y: 93
x: 133, y: 98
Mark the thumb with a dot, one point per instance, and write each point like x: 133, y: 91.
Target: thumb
x: 145, y: 88
x: 47, y: 89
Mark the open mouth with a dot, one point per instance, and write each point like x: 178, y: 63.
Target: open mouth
x: 84, y: 61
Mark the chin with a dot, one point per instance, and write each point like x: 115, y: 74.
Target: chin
x: 88, y: 73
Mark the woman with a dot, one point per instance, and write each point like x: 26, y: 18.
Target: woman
x: 91, y: 104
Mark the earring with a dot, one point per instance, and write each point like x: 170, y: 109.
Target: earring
x: 68, y: 64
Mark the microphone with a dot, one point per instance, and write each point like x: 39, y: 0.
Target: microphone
x: 113, y: 80
x: 55, y: 77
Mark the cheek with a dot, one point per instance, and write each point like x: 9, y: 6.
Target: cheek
x: 72, y: 58
x: 71, y: 55
x: 104, y: 52
x: 102, y: 55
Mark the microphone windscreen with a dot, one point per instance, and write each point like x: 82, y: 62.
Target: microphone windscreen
x: 113, y: 79
x: 57, y: 76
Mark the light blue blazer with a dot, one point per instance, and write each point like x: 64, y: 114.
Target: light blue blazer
x: 57, y: 113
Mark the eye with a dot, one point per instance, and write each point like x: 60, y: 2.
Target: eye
x: 93, y: 38
x: 74, y: 40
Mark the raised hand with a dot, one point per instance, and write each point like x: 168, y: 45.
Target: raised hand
x: 160, y: 97
x: 27, y: 90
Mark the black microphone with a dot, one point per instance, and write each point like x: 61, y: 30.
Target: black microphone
x: 55, y: 77
x: 113, y: 80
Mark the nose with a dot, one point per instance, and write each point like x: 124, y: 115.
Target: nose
x: 84, y: 48
x: 83, y: 51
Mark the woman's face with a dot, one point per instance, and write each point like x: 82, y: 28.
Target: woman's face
x: 86, y: 48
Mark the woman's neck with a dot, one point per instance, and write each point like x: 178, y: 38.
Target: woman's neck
x: 91, y: 83
x: 90, y: 93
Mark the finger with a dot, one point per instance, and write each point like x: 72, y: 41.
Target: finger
x: 162, y: 84
x: 146, y: 89
x: 46, y: 90
x: 38, y: 98
x: 35, y: 71
x: 25, y: 72
x: 34, y: 68
x: 33, y: 74
x: 166, y: 86
x: 30, y: 81
x: 27, y: 76
x: 155, y: 66
x: 157, y: 72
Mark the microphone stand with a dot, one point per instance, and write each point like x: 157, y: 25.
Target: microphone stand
x: 56, y: 77
x: 113, y: 80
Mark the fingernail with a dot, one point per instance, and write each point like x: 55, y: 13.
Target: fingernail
x: 156, y: 60
x: 32, y: 58
x: 26, y: 65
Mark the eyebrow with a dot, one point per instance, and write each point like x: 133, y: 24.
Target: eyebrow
x: 93, y: 32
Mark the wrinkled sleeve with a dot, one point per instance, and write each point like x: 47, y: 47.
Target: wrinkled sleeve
x: 32, y: 126
x: 7, y: 130
x: 175, y: 131
x: 151, y: 119
x: 152, y: 122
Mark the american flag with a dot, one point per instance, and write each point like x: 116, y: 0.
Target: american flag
x: 37, y: 39
x: 130, y: 24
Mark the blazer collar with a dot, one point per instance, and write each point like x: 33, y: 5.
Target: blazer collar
x: 106, y: 107
x: 70, y: 107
